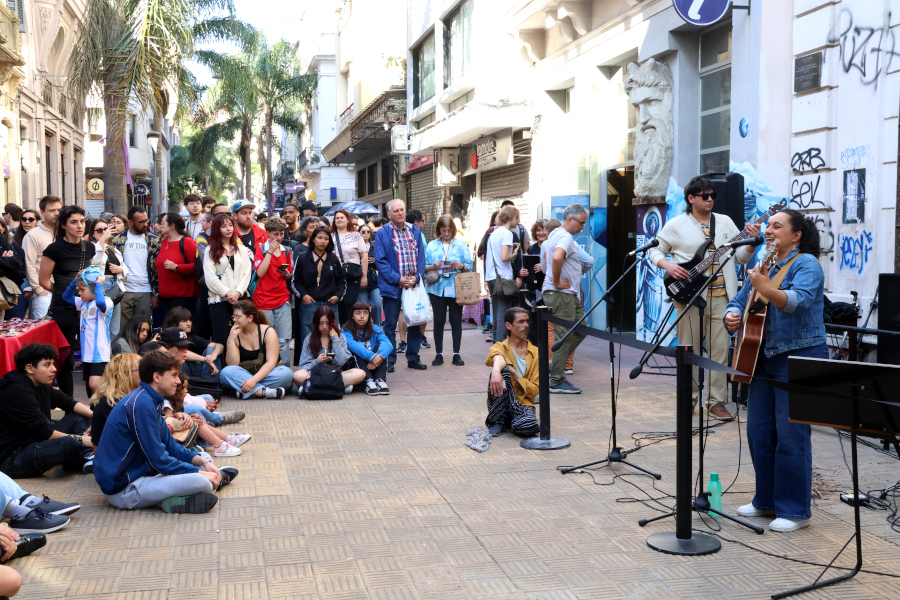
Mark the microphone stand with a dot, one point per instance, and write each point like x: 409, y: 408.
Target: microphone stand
x: 701, y: 501
x: 617, y: 454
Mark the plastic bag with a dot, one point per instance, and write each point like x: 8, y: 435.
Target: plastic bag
x: 416, y: 307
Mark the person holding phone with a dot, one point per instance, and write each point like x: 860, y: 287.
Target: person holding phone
x: 327, y: 343
x: 272, y: 295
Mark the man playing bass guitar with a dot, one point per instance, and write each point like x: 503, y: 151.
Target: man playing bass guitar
x: 682, y: 237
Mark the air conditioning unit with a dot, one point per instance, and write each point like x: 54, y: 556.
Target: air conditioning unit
x: 400, y: 138
x: 446, y: 167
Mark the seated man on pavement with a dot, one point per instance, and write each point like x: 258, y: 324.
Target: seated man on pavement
x: 30, y: 443
x: 139, y: 464
x: 513, y: 386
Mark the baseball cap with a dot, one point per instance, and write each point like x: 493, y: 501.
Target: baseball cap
x: 174, y: 336
x: 237, y: 206
x: 309, y: 206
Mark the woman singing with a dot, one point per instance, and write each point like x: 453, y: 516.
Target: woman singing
x: 782, y: 451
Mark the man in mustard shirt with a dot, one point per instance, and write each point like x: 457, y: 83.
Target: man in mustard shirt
x: 513, y: 386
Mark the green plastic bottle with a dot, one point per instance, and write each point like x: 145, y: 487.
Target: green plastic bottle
x: 715, y: 494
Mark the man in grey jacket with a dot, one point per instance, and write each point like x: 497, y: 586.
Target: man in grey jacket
x: 35, y: 242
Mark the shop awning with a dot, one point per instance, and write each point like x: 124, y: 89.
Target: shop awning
x: 366, y: 133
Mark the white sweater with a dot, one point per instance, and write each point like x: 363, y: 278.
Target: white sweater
x: 221, y: 278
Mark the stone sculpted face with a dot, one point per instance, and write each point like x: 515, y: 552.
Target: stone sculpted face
x: 649, y: 88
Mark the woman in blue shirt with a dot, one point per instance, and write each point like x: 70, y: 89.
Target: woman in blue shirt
x: 445, y: 256
x: 782, y: 451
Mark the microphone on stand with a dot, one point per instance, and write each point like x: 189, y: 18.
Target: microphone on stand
x: 754, y: 241
x: 651, y: 244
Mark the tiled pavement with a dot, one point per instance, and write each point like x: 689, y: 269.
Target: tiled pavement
x: 377, y: 497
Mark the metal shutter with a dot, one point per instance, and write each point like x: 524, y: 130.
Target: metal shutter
x: 93, y: 208
x: 512, y: 181
x: 425, y: 197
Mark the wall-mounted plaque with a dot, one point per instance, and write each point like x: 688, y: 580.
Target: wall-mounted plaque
x: 808, y: 72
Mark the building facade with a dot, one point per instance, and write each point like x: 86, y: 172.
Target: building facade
x: 12, y: 76
x: 617, y: 104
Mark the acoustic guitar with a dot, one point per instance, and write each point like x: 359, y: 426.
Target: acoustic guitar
x: 750, y: 333
x: 682, y: 290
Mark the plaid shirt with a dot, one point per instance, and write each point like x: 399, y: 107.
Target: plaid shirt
x: 407, y: 248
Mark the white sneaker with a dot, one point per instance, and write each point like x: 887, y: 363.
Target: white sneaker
x: 372, y: 388
x: 238, y: 439
x: 274, y: 393
x: 568, y: 371
x: 382, y: 387
x: 748, y: 510
x: 227, y: 449
x: 348, y: 389
x: 785, y: 525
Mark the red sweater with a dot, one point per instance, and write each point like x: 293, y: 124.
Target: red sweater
x: 180, y: 283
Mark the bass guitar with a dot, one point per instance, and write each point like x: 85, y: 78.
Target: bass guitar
x: 749, y: 340
x: 682, y: 290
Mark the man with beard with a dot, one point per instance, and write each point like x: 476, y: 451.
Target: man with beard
x: 291, y: 216
x: 682, y: 237
x: 649, y: 87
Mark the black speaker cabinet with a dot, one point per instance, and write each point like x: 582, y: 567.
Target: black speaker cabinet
x: 730, y: 198
x: 889, y: 318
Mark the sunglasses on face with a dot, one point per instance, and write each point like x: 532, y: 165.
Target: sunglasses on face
x: 29, y: 219
x: 100, y: 230
x: 710, y: 196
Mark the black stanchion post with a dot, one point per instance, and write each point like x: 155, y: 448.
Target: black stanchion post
x: 683, y: 541
x: 545, y: 441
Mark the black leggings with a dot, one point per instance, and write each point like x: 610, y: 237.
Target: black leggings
x: 220, y: 317
x: 345, y: 305
x: 440, y: 305
x: 66, y: 317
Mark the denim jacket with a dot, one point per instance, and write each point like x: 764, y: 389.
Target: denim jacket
x: 800, y: 324
x: 459, y: 252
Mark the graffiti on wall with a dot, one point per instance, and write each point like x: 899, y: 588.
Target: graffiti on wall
x: 855, y: 251
x: 866, y: 50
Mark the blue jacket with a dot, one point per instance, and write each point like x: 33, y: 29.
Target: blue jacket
x: 363, y: 349
x: 136, y: 442
x: 799, y: 324
x: 386, y: 260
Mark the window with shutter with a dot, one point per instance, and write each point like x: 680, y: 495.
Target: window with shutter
x: 18, y: 7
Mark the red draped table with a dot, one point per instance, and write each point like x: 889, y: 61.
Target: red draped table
x: 45, y: 333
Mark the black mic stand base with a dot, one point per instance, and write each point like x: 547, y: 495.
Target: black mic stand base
x: 696, y: 545
x: 616, y: 456
x: 701, y: 505
x: 536, y: 443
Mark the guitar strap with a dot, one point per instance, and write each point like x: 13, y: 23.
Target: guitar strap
x: 779, y: 277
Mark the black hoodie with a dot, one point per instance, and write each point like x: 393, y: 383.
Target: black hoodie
x: 26, y: 412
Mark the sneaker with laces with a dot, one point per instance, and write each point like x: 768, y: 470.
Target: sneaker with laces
x: 195, y: 504
x: 273, y: 393
x: 748, y: 510
x: 425, y: 343
x: 786, y: 525
x: 372, y: 388
x: 49, y: 506
x: 457, y: 360
x: 438, y: 360
x: 568, y: 371
x: 38, y: 521
x: 564, y: 387
x: 401, y: 347
x: 234, y: 416
x: 718, y: 411
x: 228, y: 475
x: 226, y: 449
x: 382, y: 387
x: 25, y: 546
x: 238, y: 439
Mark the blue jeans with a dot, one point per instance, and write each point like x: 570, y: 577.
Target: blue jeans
x: 781, y: 451
x: 373, y: 298
x: 9, y: 491
x: 306, y: 320
x: 196, y: 409
x: 233, y: 377
x: 282, y: 320
x: 392, y: 308
x: 200, y: 368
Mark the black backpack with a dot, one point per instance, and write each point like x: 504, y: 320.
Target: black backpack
x: 197, y: 386
x: 324, y: 383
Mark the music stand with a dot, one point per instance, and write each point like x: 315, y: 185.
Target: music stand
x: 844, y: 395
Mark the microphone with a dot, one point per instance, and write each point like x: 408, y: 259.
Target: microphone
x: 636, y: 371
x: 651, y: 244
x: 754, y: 241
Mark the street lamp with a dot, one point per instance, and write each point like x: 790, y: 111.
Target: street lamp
x: 153, y: 139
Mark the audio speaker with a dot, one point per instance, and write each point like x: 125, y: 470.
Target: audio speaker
x: 889, y: 318
x: 729, y: 188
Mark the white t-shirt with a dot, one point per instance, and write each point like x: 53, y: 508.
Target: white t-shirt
x: 135, y: 256
x: 94, y: 331
x: 571, y: 268
x: 501, y: 236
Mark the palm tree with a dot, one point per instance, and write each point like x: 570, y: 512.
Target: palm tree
x: 130, y: 52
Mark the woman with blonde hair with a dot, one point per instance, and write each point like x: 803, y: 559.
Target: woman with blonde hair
x: 119, y: 378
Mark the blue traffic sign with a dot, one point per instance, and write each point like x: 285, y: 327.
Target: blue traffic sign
x: 141, y: 190
x: 701, y: 12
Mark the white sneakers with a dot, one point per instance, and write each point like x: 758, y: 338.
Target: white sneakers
x: 273, y: 393
x: 780, y: 525
x: 226, y: 449
x: 372, y: 388
x: 237, y: 439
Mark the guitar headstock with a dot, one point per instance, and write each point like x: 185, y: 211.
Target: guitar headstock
x: 771, y: 253
x: 778, y: 206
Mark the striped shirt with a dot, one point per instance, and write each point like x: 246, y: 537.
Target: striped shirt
x: 94, y: 331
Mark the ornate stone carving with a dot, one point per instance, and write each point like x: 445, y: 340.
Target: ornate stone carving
x: 650, y: 89
x: 45, y: 14
x: 5, y: 72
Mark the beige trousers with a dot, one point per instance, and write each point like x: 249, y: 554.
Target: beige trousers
x: 717, y: 339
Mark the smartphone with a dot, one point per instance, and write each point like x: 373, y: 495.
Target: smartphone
x: 282, y: 267
x: 155, y: 332
x: 329, y: 354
